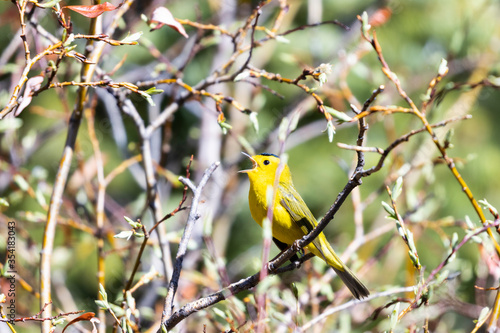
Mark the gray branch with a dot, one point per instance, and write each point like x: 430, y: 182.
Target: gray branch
x: 193, y: 217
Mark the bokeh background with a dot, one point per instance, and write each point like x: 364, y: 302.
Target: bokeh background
x: 414, y: 37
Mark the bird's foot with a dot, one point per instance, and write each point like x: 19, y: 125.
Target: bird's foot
x: 270, y: 267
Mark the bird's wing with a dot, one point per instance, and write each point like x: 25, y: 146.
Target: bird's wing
x: 298, y: 210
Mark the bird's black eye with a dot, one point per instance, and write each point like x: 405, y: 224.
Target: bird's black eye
x: 266, y: 162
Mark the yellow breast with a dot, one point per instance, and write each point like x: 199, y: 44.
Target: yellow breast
x: 282, y: 224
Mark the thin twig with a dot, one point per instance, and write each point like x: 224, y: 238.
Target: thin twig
x: 421, y: 115
x: 193, y: 217
x: 353, y: 303
x: 424, y: 286
x: 63, y: 171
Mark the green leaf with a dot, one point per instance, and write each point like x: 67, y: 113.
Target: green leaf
x: 389, y: 209
x: 225, y: 127
x: 241, y: 76
x: 331, y: 130
x: 103, y: 293
x: 448, y: 136
x: 133, y: 224
x: 442, y: 276
x: 295, y: 290
x: 486, y: 204
x: 40, y: 197
x: 147, y: 97
x: 494, y: 79
x: 21, y: 182
x: 58, y: 321
x: 49, y: 4
x: 414, y: 259
x: 128, y: 219
x: 454, y: 240
x: 219, y: 312
x: 283, y: 129
x: 411, y: 243
x: 254, y: 121
x: 398, y: 187
x: 469, y: 223
x: 116, y: 309
x: 341, y: 116
x: 394, y: 316
x: 294, y: 121
x: 283, y: 40
x: 132, y: 38
x: 485, y: 312
x: 153, y: 91
x: 365, y: 25
x: 4, y: 202
x: 208, y: 226
x: 102, y: 304
x: 10, y: 124
x: 124, y: 234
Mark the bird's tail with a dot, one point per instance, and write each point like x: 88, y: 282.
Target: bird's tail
x: 357, y: 288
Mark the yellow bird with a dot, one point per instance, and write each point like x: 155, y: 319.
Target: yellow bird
x: 292, y: 218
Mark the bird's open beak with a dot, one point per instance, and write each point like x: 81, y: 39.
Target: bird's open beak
x: 253, y: 161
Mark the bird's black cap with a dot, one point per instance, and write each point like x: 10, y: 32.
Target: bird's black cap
x: 267, y: 154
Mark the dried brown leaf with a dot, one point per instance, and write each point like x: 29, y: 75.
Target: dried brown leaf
x: 83, y: 317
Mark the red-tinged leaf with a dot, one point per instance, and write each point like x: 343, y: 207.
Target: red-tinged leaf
x: 32, y: 85
x: 163, y: 16
x: 84, y: 317
x: 93, y: 11
x: 380, y: 17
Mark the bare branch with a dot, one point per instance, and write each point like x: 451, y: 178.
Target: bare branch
x: 193, y: 217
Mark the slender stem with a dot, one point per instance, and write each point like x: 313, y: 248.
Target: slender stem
x: 192, y: 218
x: 63, y: 172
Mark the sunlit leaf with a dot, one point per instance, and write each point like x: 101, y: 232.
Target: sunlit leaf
x: 341, y: 116
x: 398, y: 187
x: 254, y: 121
x: 48, y: 4
x: 124, y: 234
x: 388, y: 209
x: 394, y: 316
x: 153, y: 91
x: 485, y: 312
x: 4, y: 202
x: 102, y: 304
x: 486, y: 204
x: 443, y: 67
x: 330, y: 128
x: 162, y: 16
x: 21, y: 182
x: 132, y: 38
x: 10, y: 124
x: 241, y: 76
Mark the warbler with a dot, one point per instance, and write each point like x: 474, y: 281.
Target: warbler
x: 292, y: 219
